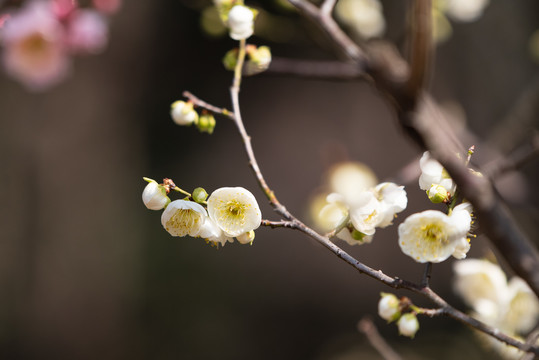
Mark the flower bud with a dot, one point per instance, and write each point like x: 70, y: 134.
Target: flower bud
x: 183, y: 113
x: 199, y: 195
x: 206, y: 123
x: 438, y: 194
x: 241, y: 22
x: 230, y: 59
x: 408, y: 325
x: 259, y: 60
x: 388, y: 307
x: 246, y: 238
x: 155, y: 196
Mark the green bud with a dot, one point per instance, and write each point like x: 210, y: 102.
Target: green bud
x: 230, y: 59
x: 200, y: 195
x: 206, y: 123
x: 438, y: 194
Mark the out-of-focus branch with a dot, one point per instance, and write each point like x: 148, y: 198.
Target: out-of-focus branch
x: 367, y: 327
x: 330, y: 27
x: 334, y: 70
x: 516, y: 159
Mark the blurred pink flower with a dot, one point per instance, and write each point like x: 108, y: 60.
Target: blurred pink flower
x: 86, y: 32
x: 108, y: 7
x: 34, y: 51
x: 63, y: 8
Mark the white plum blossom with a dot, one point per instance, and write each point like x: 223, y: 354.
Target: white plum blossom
x: 393, y: 200
x: 34, y: 51
x: 240, y: 22
x: 234, y: 210
x: 363, y: 16
x: 432, y: 236
x: 183, y: 113
x: 182, y: 217
x: 433, y: 173
x: 408, y: 325
x: 388, y: 307
x: 366, y: 210
x: 523, y: 307
x: 466, y: 10
x: 155, y: 196
x: 481, y: 284
x: 366, y: 214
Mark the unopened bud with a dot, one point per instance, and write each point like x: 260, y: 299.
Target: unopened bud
x: 183, y: 113
x: 199, y: 195
x: 438, y: 194
x: 230, y: 59
x: 389, y: 307
x: 155, y: 196
x: 408, y: 325
x: 246, y: 238
x: 206, y: 123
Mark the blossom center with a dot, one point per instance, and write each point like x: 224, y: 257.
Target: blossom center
x: 184, y: 220
x: 434, y: 233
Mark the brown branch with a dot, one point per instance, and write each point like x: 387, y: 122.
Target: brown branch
x: 332, y: 70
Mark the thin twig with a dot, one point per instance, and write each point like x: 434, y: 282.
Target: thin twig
x: 276, y: 224
x: 367, y: 327
x: 202, y: 104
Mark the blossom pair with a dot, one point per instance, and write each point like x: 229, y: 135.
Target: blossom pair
x: 232, y: 212
x: 368, y: 210
x: 390, y: 309
x: 508, y: 305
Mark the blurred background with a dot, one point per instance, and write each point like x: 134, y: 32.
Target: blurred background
x: 87, y: 272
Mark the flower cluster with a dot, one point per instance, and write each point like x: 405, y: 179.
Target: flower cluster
x: 357, y: 207
x: 431, y: 235
x: 40, y: 37
x: 391, y: 308
x: 510, y: 306
x: 231, y: 212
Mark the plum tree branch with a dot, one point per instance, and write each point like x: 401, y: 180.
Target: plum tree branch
x: 421, y: 118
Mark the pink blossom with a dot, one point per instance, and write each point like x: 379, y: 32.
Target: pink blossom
x: 34, y: 51
x: 86, y: 32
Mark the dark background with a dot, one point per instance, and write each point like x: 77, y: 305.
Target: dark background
x: 87, y: 272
